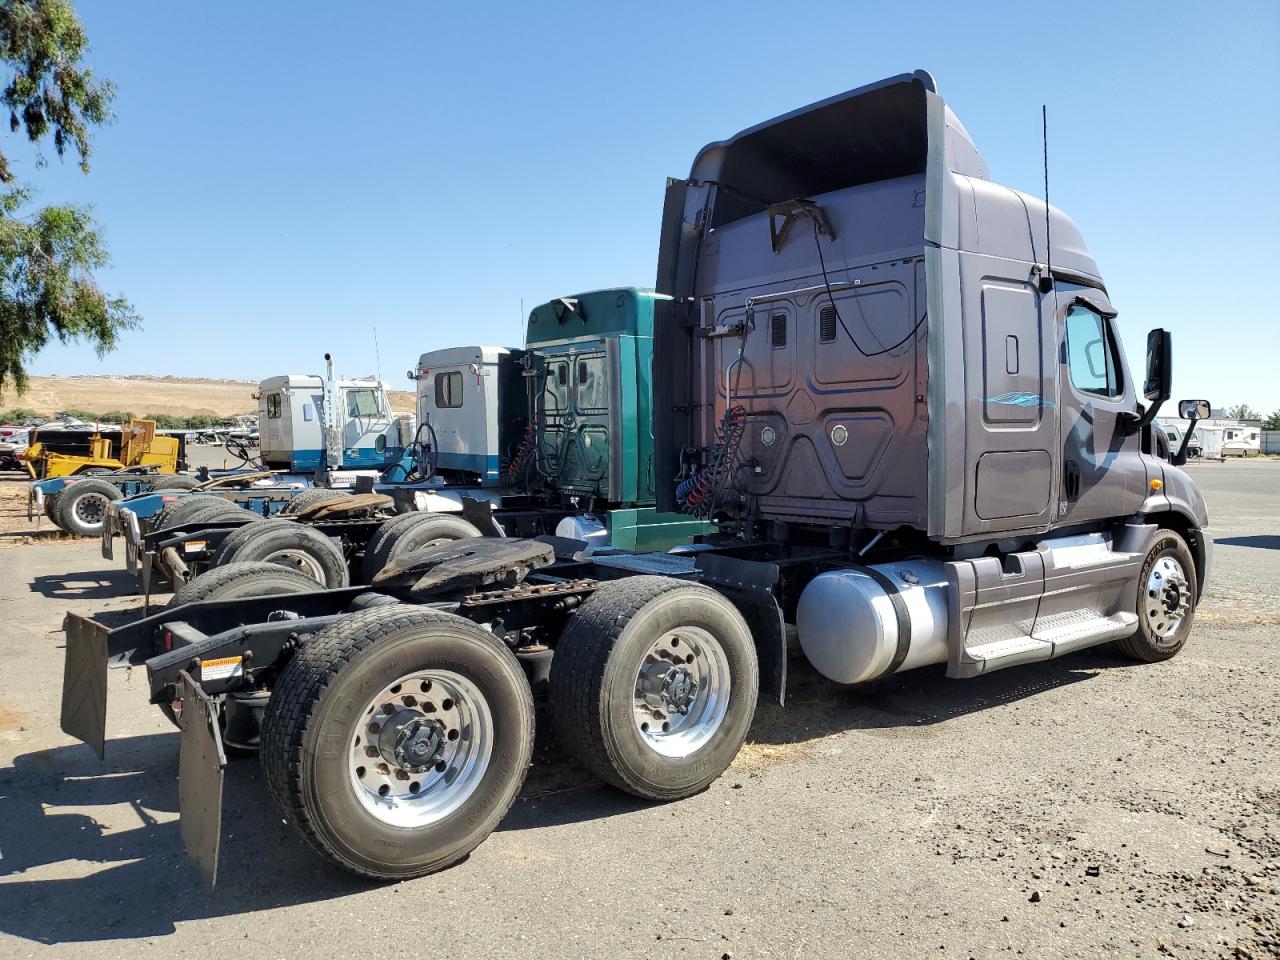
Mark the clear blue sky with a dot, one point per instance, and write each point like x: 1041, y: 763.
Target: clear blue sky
x: 284, y: 177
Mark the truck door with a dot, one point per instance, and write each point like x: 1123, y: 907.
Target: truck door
x: 1103, y: 473
x: 1011, y: 432
x: 271, y: 429
x: 574, y: 413
x: 590, y: 460
x: 364, y: 426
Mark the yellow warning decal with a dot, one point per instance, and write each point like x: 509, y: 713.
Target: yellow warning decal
x: 223, y: 668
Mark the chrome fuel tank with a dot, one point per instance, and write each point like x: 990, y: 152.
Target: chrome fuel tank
x: 867, y: 622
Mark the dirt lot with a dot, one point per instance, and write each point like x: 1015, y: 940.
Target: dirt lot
x: 1085, y: 807
x: 176, y: 396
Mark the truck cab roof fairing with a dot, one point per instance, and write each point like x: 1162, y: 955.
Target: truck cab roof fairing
x: 876, y: 132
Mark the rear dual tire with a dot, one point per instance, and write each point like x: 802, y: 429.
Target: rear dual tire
x: 417, y: 817
x: 175, y: 482
x: 184, y: 510
x: 236, y: 581
x: 409, y: 532
x: 290, y: 544
x: 620, y: 696
x: 306, y: 498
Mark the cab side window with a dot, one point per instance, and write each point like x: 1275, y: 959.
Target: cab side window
x: 448, y: 390
x: 1091, y: 352
x: 273, y: 406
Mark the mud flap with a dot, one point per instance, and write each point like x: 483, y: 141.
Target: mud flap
x: 479, y: 514
x: 84, y: 681
x: 749, y: 585
x: 201, y: 762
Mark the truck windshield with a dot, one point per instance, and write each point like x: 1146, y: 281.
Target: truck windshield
x: 362, y: 403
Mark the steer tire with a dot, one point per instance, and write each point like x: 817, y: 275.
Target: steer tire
x: 596, y: 668
x: 286, y: 542
x: 250, y: 578
x: 82, y: 506
x: 51, y: 507
x: 321, y: 704
x: 1150, y: 643
x: 309, y: 496
x: 402, y: 535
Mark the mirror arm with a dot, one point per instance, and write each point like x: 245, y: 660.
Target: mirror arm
x: 1131, y: 423
x: 1180, y: 458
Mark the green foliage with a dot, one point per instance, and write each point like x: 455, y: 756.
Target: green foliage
x: 48, y: 255
x: 1272, y: 422
x: 166, y: 421
x: 47, y: 287
x: 1242, y: 411
x: 43, y: 42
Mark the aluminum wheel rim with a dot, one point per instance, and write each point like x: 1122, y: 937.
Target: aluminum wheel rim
x: 298, y: 560
x: 681, y: 692
x: 90, y: 509
x: 404, y: 790
x: 1167, y: 599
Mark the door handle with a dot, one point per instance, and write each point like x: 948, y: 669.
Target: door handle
x: 1071, y: 480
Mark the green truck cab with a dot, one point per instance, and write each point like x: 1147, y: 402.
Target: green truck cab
x: 589, y: 370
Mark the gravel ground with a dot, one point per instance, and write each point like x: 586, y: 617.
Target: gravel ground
x: 1086, y: 807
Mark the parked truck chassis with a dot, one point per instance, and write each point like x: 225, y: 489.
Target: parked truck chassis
x: 958, y: 488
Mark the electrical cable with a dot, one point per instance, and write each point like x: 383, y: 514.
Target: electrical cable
x: 831, y: 297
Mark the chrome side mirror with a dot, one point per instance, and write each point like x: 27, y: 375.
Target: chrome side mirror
x: 1194, y: 409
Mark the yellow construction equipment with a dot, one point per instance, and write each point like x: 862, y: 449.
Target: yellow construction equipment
x: 136, y: 446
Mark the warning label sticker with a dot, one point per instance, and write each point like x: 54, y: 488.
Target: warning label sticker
x: 224, y: 668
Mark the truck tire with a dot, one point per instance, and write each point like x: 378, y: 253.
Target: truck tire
x: 289, y: 543
x: 175, y: 482
x: 408, y: 810
x: 82, y: 506
x: 402, y: 535
x: 51, y: 507
x: 1166, y: 601
x: 307, y: 497
x: 245, y: 579
x: 172, y: 514
x: 215, y: 512
x: 620, y: 677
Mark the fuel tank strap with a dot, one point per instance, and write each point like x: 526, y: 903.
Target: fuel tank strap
x: 900, y: 614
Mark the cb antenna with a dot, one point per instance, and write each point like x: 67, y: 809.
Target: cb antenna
x: 1046, y: 282
x: 377, y: 357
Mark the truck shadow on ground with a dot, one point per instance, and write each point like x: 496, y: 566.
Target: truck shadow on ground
x: 1258, y: 541
x: 89, y: 585
x: 60, y: 808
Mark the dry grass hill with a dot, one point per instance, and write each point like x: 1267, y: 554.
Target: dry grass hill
x: 177, y: 396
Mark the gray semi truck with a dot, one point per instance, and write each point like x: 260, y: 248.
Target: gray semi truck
x: 896, y: 387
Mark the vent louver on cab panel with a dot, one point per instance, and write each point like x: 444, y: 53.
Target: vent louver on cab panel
x: 827, y: 324
x: 778, y: 330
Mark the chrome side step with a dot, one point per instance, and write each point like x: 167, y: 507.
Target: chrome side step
x: 1067, y: 594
